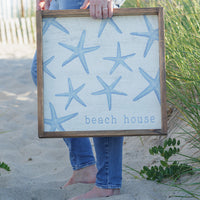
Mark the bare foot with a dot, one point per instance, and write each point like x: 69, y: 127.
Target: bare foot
x: 97, y: 192
x: 84, y: 175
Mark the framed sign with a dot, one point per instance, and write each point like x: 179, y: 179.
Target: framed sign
x: 101, y: 77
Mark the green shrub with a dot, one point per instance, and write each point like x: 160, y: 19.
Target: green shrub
x: 4, y: 166
x: 166, y: 170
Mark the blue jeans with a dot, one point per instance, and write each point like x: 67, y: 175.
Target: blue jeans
x: 108, y: 149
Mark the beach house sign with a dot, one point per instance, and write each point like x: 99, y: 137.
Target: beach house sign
x: 101, y: 77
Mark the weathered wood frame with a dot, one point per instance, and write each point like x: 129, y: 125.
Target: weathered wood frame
x: 85, y: 13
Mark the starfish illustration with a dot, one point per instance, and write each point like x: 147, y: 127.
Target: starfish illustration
x: 72, y: 94
x: 108, y: 90
x: 53, y: 22
x: 104, y: 23
x: 152, y: 35
x: 45, y: 69
x: 154, y: 85
x: 79, y: 51
x: 119, y: 59
x: 56, y: 122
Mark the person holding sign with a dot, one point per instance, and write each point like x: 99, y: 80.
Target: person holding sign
x: 106, y: 171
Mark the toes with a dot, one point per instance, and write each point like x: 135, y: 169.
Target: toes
x: 70, y: 182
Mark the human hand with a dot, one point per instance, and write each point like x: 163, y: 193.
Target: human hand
x: 43, y: 4
x: 99, y: 8
x: 47, y: 4
x: 38, y: 5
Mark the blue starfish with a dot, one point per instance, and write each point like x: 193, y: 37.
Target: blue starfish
x: 79, y: 51
x: 45, y: 69
x: 103, y: 24
x: 56, y: 122
x: 119, y: 59
x: 72, y: 94
x: 53, y: 22
x: 152, y: 35
x: 154, y: 85
x: 108, y: 90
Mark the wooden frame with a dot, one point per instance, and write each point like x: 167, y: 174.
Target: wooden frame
x: 92, y: 133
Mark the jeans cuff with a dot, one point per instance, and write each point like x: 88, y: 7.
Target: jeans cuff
x: 81, y: 166
x: 109, y: 186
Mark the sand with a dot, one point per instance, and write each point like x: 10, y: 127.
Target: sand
x: 39, y: 167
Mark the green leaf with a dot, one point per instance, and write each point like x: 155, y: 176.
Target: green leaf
x: 163, y: 163
x: 166, y: 155
x: 160, y: 149
x: 169, y: 142
x: 161, y: 168
x: 151, y: 151
x: 165, y: 143
x: 142, y: 172
x: 4, y: 166
x: 145, y: 168
x: 170, y: 151
x: 155, y: 150
x: 174, y: 142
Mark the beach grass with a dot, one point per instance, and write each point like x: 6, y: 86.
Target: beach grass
x: 182, y: 44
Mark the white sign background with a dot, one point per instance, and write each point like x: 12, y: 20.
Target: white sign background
x: 93, y: 111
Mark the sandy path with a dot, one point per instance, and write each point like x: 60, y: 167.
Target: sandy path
x: 40, y: 166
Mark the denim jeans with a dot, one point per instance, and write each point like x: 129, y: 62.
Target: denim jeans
x: 108, y: 149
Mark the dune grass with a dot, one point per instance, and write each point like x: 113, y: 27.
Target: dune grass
x: 182, y: 45
x: 182, y: 42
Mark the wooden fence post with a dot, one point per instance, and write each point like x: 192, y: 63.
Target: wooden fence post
x: 3, y: 32
x: 13, y: 29
x: 17, y: 21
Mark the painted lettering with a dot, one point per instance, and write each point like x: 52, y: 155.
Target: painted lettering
x: 100, y: 120
x: 138, y: 119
